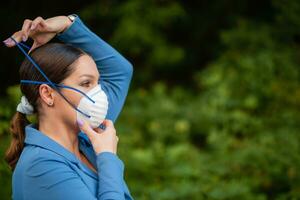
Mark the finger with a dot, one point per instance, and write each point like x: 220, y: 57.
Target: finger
x: 116, y: 147
x: 37, y: 21
x: 35, y: 45
x: 108, y: 123
x: 86, y: 128
x: 17, y: 36
x: 109, y: 126
x: 98, y: 130
x: 25, y: 29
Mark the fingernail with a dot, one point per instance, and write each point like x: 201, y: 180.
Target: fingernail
x: 8, y: 42
x: 5, y: 41
x: 79, y: 122
x: 24, y: 38
x: 32, y: 27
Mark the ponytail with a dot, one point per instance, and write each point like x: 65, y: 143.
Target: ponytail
x: 17, y: 130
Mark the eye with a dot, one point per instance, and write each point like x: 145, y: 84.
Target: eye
x: 85, y: 84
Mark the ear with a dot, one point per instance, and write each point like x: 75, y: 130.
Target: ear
x: 46, y: 94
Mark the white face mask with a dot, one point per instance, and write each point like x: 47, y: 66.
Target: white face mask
x: 95, y: 112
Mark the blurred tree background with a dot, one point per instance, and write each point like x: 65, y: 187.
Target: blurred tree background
x: 214, y: 106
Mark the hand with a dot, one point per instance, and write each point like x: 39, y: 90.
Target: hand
x: 102, y: 140
x: 40, y: 30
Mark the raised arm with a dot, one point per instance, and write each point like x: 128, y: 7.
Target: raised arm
x: 115, y: 71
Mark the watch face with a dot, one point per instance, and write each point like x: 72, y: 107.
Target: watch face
x: 71, y: 17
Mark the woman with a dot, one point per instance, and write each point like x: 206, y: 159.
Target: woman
x: 65, y: 155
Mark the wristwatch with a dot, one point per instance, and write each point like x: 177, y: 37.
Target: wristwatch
x: 72, y: 17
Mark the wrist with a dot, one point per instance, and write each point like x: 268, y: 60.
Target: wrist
x: 105, y: 150
x: 109, y: 158
x: 67, y: 23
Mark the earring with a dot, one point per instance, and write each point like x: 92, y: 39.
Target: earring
x: 50, y: 103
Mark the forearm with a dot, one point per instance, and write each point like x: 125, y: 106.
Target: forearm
x: 108, y: 60
x: 111, y: 172
x: 63, y: 25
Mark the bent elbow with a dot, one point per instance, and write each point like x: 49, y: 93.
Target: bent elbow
x: 128, y: 69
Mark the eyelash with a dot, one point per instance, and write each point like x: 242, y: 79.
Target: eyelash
x: 85, y: 84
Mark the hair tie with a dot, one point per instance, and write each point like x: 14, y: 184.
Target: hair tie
x: 25, y: 107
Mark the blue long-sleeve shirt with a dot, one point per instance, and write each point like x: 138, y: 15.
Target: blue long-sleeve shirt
x: 48, y: 171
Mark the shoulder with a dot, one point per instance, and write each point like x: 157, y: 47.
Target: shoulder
x: 32, y: 155
x: 43, y: 174
x: 39, y: 169
x: 42, y: 166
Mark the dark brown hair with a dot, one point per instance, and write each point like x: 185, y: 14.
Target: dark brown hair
x: 55, y: 59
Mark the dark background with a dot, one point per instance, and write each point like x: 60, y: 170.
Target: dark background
x: 196, y: 31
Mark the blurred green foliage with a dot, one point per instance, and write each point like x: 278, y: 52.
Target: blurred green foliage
x: 232, y: 134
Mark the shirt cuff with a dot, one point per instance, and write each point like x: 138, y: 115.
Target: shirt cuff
x: 106, y: 156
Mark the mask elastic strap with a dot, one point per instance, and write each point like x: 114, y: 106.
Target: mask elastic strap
x: 45, y: 76
x: 25, y: 46
x: 57, y: 85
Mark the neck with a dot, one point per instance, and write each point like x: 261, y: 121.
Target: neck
x: 60, y: 133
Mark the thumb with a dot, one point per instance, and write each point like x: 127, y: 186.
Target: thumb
x: 35, y: 45
x: 86, y: 128
x: 108, y: 123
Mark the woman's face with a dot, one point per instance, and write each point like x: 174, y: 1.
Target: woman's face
x: 84, y: 77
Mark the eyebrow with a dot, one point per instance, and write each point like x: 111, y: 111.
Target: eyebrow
x: 88, y: 75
